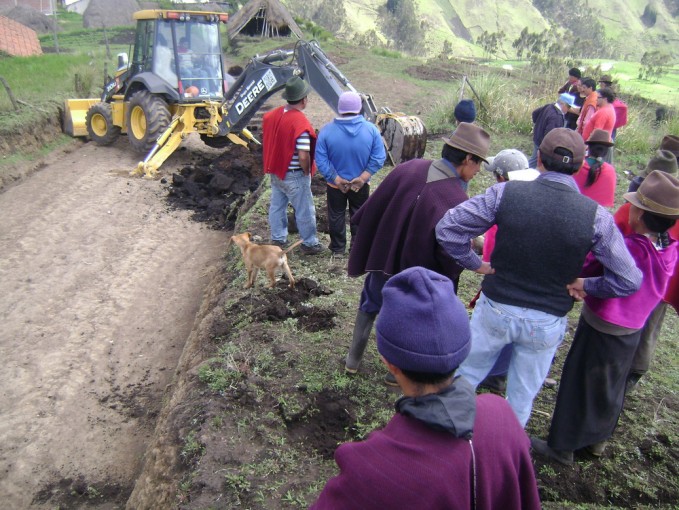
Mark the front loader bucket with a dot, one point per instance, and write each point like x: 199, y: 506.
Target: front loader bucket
x: 405, y: 137
x: 75, y: 112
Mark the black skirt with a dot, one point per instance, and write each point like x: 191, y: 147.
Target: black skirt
x: 592, y: 388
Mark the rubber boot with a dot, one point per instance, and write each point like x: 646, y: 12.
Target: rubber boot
x: 632, y: 381
x: 362, y: 329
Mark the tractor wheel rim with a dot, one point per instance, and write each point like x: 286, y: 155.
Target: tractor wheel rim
x: 98, y: 123
x: 138, y: 122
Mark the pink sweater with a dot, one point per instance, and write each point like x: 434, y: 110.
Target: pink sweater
x: 603, y: 189
x: 657, y: 266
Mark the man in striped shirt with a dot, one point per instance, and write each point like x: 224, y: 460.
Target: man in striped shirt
x: 289, y: 141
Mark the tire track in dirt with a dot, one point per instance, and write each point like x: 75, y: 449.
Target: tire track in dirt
x: 99, y: 286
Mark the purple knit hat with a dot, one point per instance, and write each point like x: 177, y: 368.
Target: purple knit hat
x: 422, y: 326
x: 349, y: 102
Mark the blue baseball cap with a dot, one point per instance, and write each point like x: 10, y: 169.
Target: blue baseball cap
x: 569, y: 99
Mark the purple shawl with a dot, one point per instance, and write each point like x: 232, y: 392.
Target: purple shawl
x: 396, y: 225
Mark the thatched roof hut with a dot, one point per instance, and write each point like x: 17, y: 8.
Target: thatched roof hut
x: 266, y: 18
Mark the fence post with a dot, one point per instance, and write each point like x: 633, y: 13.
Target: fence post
x: 9, y: 93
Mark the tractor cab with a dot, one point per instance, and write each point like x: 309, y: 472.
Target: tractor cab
x: 177, y: 54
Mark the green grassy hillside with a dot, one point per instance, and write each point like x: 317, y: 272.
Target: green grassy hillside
x: 461, y: 22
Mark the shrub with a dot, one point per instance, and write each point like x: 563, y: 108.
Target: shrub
x: 501, y: 107
x: 384, y: 52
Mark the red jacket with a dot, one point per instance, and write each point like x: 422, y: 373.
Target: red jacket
x: 280, y: 131
x: 672, y: 293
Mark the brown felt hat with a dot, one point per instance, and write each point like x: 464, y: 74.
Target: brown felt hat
x: 670, y: 143
x: 600, y: 136
x: 563, y: 138
x: 470, y: 138
x: 295, y: 89
x: 658, y: 193
x: 664, y: 161
x: 607, y: 79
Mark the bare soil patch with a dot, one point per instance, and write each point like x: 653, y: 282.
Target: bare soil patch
x: 100, y: 283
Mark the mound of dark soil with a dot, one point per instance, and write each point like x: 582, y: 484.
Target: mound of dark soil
x: 289, y: 303
x: 216, y: 189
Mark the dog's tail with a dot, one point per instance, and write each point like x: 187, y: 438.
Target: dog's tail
x: 293, y: 245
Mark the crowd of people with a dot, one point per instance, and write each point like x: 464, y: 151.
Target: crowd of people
x: 550, y: 240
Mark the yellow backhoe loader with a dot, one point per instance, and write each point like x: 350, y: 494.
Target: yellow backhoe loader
x: 176, y: 85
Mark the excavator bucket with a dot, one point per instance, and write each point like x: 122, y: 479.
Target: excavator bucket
x: 75, y: 112
x: 405, y: 137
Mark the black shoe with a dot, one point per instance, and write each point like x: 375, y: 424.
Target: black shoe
x: 282, y: 244
x: 541, y: 447
x: 495, y: 384
x: 311, y: 250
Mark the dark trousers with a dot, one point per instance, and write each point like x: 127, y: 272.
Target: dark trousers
x: 337, y: 207
x: 592, y: 388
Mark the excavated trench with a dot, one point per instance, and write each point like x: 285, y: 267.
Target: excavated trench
x: 218, y: 192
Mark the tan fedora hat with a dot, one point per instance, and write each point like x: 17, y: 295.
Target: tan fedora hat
x: 664, y: 161
x: 470, y: 138
x: 670, y: 143
x: 658, y: 193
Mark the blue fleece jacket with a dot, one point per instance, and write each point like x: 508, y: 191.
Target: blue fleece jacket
x: 347, y: 146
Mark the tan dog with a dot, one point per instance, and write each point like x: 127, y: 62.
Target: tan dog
x: 263, y: 256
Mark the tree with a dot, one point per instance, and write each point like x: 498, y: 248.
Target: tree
x: 653, y: 65
x: 404, y: 27
x: 582, y: 33
x: 490, y: 42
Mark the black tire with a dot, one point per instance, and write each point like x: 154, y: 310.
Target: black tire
x: 216, y: 142
x: 147, y: 118
x: 99, y: 122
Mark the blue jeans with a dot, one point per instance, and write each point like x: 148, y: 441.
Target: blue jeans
x: 533, y: 160
x: 296, y: 190
x: 535, y: 335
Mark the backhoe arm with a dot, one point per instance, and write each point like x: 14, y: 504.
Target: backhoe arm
x: 265, y: 75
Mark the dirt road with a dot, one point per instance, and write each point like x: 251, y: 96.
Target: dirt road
x: 99, y: 287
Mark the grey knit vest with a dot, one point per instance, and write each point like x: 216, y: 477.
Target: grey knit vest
x: 545, y: 231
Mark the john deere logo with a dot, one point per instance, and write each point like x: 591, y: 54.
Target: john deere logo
x: 254, y: 89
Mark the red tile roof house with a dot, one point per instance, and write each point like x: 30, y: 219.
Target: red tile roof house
x: 18, y: 40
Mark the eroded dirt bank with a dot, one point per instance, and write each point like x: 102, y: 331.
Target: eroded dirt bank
x: 100, y: 284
